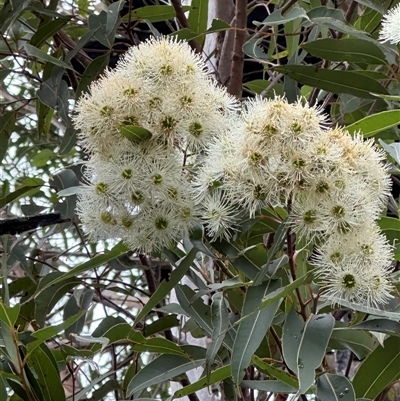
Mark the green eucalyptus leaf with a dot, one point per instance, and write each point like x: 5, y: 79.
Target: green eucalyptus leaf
x: 350, y: 50
x: 48, y: 29
x: 304, y: 345
x: 379, y: 369
x: 42, y: 362
x: 276, y: 18
x: 386, y: 326
x: 335, y: 388
x: 360, y: 343
x: 215, y: 377
x: 334, y: 81
x: 220, y: 323
x: 166, y: 286
x: 274, y: 386
x: 253, y: 328
x: 166, y: 367
x: 371, y: 125
x: 41, y: 55
x: 135, y: 133
x: 26, y: 190
x: 198, y: 17
x: 154, y: 13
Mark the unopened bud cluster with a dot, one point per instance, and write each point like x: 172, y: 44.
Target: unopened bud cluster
x: 169, y: 149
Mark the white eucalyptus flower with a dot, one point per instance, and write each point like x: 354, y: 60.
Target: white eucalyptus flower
x: 219, y: 215
x: 390, y: 31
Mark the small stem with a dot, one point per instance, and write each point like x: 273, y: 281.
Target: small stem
x: 181, y: 17
x: 4, y: 272
x: 292, y: 264
x: 151, y: 283
x: 236, y: 73
x: 265, y: 28
x: 349, y: 363
x: 224, y: 269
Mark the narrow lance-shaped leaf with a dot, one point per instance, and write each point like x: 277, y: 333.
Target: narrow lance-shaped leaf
x: 155, y: 13
x: 220, y: 322
x: 45, y: 366
x: 216, y: 376
x: 380, y: 325
x: 274, y: 386
x: 165, y: 367
x: 196, y: 309
x: 304, y: 345
x: 166, y: 286
x: 8, y: 334
x: 23, y: 191
x: 198, y: 17
x: 279, y: 239
x: 312, y: 348
x: 276, y: 372
x: 334, y: 81
x: 276, y: 18
x: 41, y: 55
x: 371, y: 125
x: 379, y: 370
x: 252, y: 330
x: 361, y: 343
x: 350, y: 50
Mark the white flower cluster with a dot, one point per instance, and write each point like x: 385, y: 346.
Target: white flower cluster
x: 333, y: 185
x: 159, y: 110
x: 390, y: 31
x: 141, y: 123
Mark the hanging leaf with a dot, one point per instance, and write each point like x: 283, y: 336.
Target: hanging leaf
x: 304, y: 345
x: 253, y: 328
x: 216, y: 376
x: 220, y: 323
x: 350, y: 50
x: 155, y: 13
x: 198, y: 17
x: 166, y: 367
x: 166, y: 286
x: 334, y: 81
x: 335, y: 388
x: 276, y: 18
x: 379, y: 369
x: 273, y: 386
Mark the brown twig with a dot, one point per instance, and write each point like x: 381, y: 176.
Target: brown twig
x: 284, y: 10
x: 151, y: 283
x: 181, y: 17
x: 236, y: 73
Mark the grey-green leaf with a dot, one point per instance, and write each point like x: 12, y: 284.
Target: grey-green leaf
x: 220, y: 323
x: 335, y: 388
x: 304, y: 345
x: 274, y: 386
x: 165, y: 367
x: 334, y: 81
x: 166, y: 286
x: 135, y: 133
x: 379, y: 369
x: 252, y: 329
x: 350, y: 50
